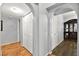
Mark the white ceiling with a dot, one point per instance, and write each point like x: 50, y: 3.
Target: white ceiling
x: 6, y: 10
x: 46, y: 5
x: 62, y: 10
x: 43, y: 6
x: 69, y: 15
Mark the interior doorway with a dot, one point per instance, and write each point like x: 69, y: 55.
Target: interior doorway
x: 70, y: 30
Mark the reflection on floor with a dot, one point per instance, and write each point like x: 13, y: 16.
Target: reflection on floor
x: 66, y: 48
x: 15, y: 49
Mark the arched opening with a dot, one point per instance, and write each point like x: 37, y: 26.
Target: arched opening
x: 63, y: 30
x: 17, y: 29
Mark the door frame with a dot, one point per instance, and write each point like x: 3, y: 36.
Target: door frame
x: 34, y: 9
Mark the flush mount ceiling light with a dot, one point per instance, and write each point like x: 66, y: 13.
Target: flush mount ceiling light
x: 16, y: 10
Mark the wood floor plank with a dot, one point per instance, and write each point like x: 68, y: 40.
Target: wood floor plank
x: 15, y: 49
x: 66, y: 48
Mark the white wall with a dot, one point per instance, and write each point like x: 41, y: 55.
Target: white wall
x: 0, y: 32
x: 43, y: 29
x: 56, y: 30
x: 27, y: 22
x: 9, y: 33
x: 43, y: 34
x: 0, y: 25
x: 35, y: 30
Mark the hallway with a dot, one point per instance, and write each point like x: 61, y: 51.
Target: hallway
x: 15, y: 49
x: 66, y: 48
x: 40, y: 28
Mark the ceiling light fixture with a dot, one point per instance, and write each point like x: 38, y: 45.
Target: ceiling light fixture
x: 16, y: 10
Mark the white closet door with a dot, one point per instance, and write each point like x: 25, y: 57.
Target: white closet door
x: 27, y: 22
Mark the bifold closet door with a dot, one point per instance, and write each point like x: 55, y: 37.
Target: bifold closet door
x: 27, y: 25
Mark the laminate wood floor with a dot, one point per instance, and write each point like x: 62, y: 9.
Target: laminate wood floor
x: 15, y: 49
x: 66, y: 48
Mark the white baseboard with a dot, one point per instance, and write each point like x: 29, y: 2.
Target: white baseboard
x: 8, y: 43
x: 48, y: 53
x: 52, y: 49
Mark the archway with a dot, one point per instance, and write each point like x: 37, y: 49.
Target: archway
x: 61, y: 8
